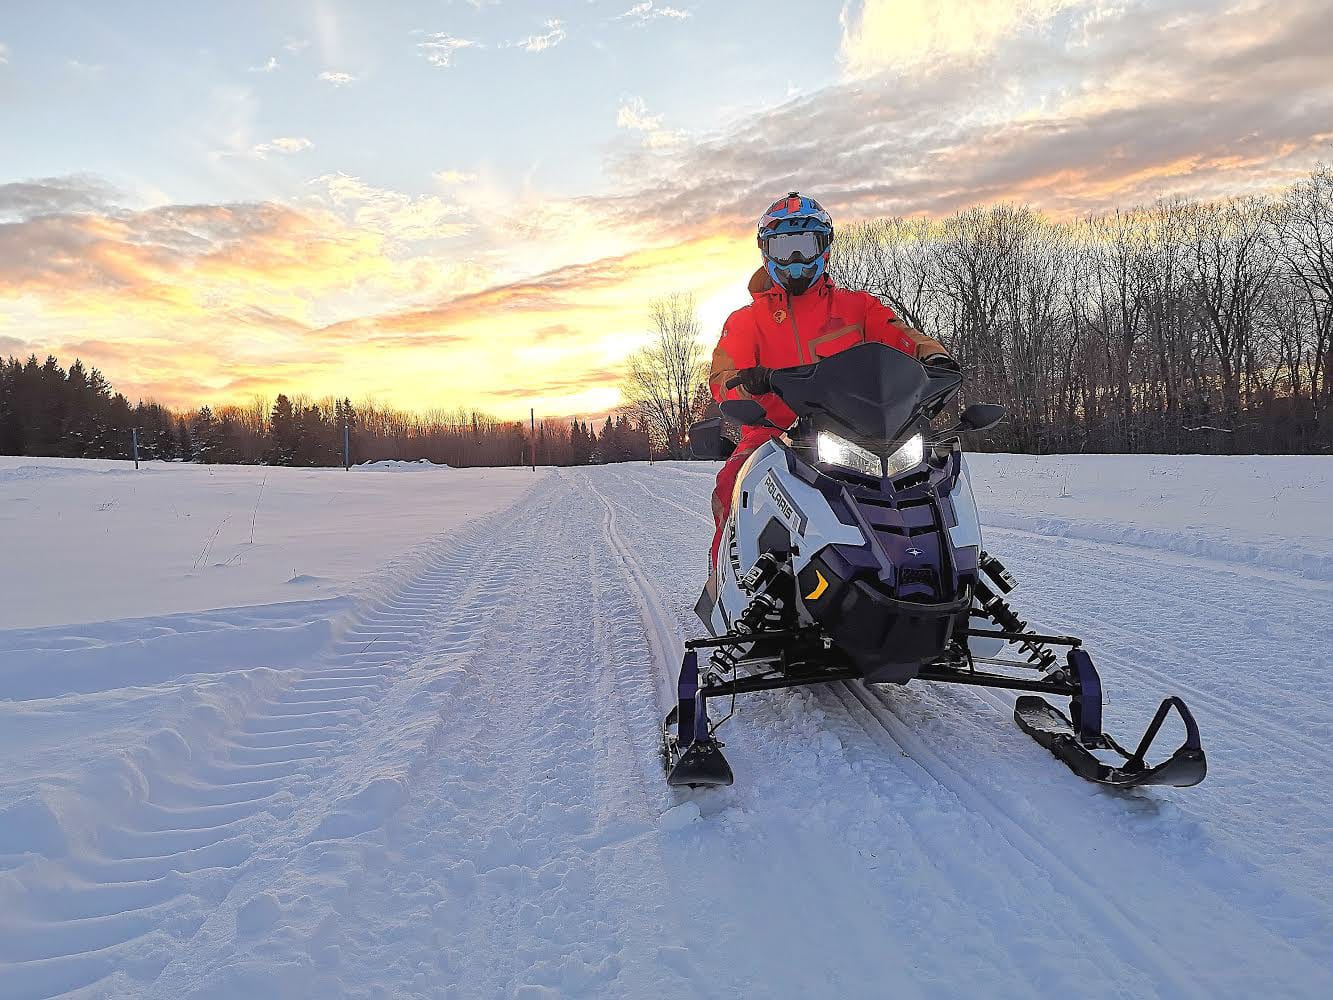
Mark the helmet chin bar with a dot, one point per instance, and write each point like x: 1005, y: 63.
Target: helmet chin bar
x: 798, y: 286
x: 792, y: 284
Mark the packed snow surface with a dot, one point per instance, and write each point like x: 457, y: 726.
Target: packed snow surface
x: 403, y: 742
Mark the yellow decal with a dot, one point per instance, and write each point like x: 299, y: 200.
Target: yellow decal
x: 820, y: 587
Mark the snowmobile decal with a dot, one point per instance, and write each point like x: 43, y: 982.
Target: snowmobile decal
x: 786, y: 508
x: 835, y: 574
x: 820, y: 587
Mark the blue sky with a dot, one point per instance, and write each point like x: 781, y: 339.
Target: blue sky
x: 142, y: 93
x: 473, y: 203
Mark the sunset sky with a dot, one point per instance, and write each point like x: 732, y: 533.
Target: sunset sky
x: 470, y: 203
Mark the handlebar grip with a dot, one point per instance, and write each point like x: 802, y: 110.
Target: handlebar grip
x: 734, y: 381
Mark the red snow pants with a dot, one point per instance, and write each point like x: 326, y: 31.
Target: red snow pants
x: 726, y: 481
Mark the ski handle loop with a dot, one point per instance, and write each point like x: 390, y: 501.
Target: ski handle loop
x: 1137, y: 761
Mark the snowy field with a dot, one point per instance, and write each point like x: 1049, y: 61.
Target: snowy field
x: 394, y: 733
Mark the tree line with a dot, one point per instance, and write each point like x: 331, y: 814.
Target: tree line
x: 1179, y: 327
x: 49, y: 411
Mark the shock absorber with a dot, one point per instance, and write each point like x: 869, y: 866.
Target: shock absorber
x: 999, y: 611
x: 763, y: 612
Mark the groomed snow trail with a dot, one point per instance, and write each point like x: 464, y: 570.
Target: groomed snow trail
x: 463, y: 797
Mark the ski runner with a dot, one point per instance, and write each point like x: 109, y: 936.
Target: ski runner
x: 798, y: 316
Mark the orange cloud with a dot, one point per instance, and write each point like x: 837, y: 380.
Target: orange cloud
x: 359, y: 290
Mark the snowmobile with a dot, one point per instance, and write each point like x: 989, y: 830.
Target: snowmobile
x: 853, y: 552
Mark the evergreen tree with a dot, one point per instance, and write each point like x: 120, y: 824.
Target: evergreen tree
x: 610, y: 445
x: 164, y: 443
x: 282, y: 433
x: 184, y: 441
x: 204, y: 433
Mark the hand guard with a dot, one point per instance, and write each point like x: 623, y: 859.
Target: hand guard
x: 942, y: 361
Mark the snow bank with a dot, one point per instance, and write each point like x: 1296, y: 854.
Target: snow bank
x: 1270, y: 512
x: 420, y: 465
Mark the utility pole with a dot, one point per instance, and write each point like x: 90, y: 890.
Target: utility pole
x: 532, y: 437
x: 134, y: 444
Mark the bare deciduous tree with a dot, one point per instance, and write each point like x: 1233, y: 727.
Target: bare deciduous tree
x: 662, y: 380
x: 1184, y: 326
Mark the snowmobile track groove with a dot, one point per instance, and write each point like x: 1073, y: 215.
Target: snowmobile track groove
x: 216, y: 815
x: 1073, y: 878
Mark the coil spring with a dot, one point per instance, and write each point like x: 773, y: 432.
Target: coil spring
x: 761, y: 612
x: 764, y: 610
x: 1004, y: 616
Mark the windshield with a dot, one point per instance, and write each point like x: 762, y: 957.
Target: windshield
x: 871, y: 391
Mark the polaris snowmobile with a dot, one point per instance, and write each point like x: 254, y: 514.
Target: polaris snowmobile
x: 853, y: 552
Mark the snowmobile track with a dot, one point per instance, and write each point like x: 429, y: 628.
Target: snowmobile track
x: 200, y: 831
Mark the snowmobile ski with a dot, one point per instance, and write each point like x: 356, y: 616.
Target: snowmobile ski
x: 699, y: 765
x: 1053, y: 729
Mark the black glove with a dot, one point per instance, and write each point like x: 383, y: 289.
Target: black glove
x: 943, y: 362
x: 752, y: 380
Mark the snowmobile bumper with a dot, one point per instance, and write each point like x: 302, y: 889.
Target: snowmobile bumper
x: 887, y: 639
x: 1074, y: 741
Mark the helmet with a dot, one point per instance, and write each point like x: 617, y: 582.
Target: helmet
x: 794, y: 238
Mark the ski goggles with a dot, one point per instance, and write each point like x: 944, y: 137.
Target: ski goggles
x: 795, y: 248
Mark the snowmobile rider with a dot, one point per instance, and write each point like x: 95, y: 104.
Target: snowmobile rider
x: 798, y: 316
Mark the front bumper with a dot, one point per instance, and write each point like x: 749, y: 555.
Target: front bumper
x: 885, y: 638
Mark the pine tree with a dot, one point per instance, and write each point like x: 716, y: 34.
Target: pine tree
x: 164, y: 444
x: 204, y: 433
x: 184, y: 441
x: 282, y: 433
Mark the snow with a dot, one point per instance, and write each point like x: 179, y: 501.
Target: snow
x: 404, y: 744
x: 94, y: 541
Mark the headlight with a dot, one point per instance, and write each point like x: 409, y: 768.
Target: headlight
x: 839, y: 451
x: 908, y: 456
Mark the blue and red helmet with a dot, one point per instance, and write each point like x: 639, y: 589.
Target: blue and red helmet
x: 794, y: 237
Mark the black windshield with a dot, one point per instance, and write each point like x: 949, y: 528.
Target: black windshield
x: 872, y: 391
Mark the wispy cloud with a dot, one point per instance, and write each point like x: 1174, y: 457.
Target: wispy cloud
x: 883, y: 35
x: 285, y: 145
x: 297, y: 45
x: 338, y: 79
x: 267, y: 67
x: 555, y: 34
x: 83, y: 68
x: 633, y: 115
x: 54, y: 195
x: 4, y: 53
x: 449, y: 178
x: 649, y: 11
x: 439, y: 48
x: 392, y: 214
x: 1157, y: 98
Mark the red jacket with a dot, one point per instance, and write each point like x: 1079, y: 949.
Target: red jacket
x: 778, y: 331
